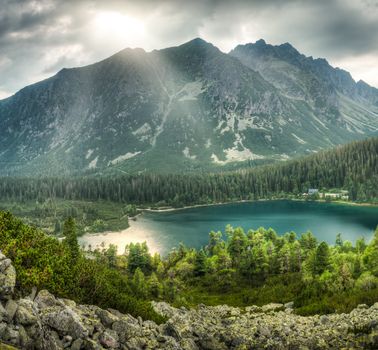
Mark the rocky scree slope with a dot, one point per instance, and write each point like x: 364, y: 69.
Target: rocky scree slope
x: 42, y: 321
x: 192, y: 105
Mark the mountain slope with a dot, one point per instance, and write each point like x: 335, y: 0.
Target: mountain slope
x: 330, y: 91
x: 184, y: 108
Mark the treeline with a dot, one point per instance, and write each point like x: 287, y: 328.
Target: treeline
x: 265, y: 267
x: 259, y: 267
x: 238, y: 268
x: 353, y: 167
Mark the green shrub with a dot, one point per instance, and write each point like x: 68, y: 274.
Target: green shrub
x: 46, y: 263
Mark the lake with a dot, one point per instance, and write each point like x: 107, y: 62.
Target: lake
x: 164, y: 230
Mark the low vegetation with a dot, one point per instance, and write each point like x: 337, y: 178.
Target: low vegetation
x: 240, y: 269
x: 61, y: 267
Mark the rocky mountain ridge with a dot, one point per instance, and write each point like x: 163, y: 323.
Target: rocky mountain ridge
x: 42, y: 321
x: 260, y: 55
x: 192, y: 106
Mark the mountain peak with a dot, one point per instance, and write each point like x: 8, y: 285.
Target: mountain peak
x: 260, y: 42
x: 363, y: 83
x: 197, y: 40
x: 131, y: 51
x: 262, y: 47
x: 194, y: 47
x: 288, y: 47
x: 197, y: 43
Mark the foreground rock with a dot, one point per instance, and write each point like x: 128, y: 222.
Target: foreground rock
x: 43, y: 321
x: 7, y: 277
x: 271, y: 327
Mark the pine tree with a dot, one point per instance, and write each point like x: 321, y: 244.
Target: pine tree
x: 138, y: 257
x: 321, y: 258
x: 69, y: 231
x: 339, y: 241
x: 154, y: 286
x: 370, y: 257
x: 111, y: 255
x: 200, y: 263
x: 139, y: 283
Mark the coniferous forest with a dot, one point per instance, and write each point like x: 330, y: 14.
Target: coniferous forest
x: 353, y: 167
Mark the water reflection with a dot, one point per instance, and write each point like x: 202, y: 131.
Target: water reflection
x: 164, y: 230
x: 136, y: 233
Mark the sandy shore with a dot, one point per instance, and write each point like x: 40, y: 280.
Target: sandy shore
x: 135, y: 233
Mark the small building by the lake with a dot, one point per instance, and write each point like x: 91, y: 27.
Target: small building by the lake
x: 312, y: 191
x: 343, y: 195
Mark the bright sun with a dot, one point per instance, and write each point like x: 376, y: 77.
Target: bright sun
x: 115, y: 21
x: 118, y: 28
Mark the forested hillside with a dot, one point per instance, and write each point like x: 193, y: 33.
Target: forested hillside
x: 353, y: 167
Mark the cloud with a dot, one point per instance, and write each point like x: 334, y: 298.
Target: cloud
x: 40, y: 37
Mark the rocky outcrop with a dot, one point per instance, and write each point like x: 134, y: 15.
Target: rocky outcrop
x: 7, y: 277
x: 42, y: 321
x: 272, y: 326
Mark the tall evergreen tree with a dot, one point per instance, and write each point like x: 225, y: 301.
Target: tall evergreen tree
x: 321, y: 258
x: 138, y: 257
x: 69, y: 231
x: 200, y: 263
x: 139, y: 283
x: 370, y: 257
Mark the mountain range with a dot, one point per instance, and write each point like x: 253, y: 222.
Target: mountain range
x: 185, y: 108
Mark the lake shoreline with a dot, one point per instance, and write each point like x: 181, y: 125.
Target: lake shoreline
x: 163, y: 232
x: 104, y: 233
x: 119, y: 238
x: 133, y: 219
x: 172, y: 209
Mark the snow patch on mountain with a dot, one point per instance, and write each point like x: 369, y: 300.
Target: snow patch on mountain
x: 187, y: 154
x: 144, y: 132
x: 144, y: 129
x: 123, y: 157
x: 299, y: 139
x: 89, y: 153
x: 235, y: 155
x: 93, y: 163
x: 284, y: 156
x: 238, y: 153
x: 281, y: 121
x: 191, y: 91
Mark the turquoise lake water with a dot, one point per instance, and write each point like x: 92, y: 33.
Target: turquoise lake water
x: 165, y: 230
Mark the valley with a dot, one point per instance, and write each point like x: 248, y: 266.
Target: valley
x: 159, y: 190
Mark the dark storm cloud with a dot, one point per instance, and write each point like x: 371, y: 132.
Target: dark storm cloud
x: 39, y: 37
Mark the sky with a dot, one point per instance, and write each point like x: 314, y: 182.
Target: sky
x: 40, y: 37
